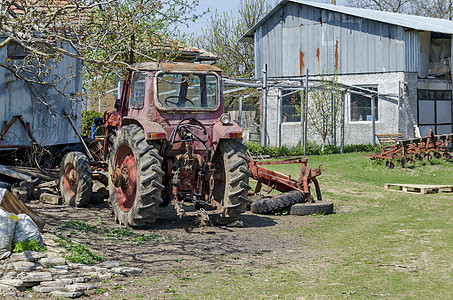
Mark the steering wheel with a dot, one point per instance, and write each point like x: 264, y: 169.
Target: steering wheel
x: 187, y: 125
x: 176, y: 103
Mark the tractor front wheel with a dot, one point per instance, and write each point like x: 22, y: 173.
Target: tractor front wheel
x: 231, y: 184
x: 135, y: 181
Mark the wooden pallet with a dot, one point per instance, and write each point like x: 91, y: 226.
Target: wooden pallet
x: 389, y: 138
x: 419, y: 188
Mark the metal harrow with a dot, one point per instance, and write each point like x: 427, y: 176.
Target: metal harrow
x: 407, y: 151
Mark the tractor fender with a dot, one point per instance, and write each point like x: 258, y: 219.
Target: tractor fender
x: 229, y: 131
x: 153, y: 130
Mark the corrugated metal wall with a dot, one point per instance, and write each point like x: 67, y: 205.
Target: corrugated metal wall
x: 16, y: 99
x: 298, y: 37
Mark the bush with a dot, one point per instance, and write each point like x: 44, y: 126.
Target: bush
x: 361, y: 148
x: 255, y: 148
x: 331, y: 149
x: 88, y: 117
x: 312, y: 149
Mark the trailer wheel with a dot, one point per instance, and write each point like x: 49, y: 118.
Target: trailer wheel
x: 320, y: 207
x: 389, y: 164
x: 135, y: 181
x: 277, y: 203
x: 232, y: 183
x: 75, y: 179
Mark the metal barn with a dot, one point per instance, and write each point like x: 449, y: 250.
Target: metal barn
x: 46, y: 123
x: 405, y: 59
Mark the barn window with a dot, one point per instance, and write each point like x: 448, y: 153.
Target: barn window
x: 360, y: 108
x: 291, y: 106
x: 15, y: 51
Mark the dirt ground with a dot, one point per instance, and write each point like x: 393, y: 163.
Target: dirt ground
x: 187, y: 245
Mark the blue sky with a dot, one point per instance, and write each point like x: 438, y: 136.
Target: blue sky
x: 221, y: 6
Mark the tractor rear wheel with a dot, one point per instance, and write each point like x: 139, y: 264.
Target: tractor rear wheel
x: 135, y: 181
x: 231, y: 183
x: 75, y: 179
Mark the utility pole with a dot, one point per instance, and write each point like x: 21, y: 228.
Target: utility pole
x: 306, y: 114
x: 264, y: 107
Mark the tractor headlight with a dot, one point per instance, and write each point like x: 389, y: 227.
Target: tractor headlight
x: 225, y: 119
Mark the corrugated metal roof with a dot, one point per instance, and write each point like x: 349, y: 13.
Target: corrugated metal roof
x: 404, y: 20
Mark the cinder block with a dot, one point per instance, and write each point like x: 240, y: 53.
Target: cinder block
x: 50, y: 199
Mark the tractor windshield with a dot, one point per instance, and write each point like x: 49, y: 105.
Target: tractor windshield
x: 188, y: 90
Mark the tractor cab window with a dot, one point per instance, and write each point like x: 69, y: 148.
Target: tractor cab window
x: 187, y: 91
x: 138, y: 90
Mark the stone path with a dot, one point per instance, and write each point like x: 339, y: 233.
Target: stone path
x: 25, y: 274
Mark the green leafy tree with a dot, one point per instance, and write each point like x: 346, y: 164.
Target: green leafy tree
x: 103, y: 34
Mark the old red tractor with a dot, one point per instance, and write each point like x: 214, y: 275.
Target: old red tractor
x: 169, y: 141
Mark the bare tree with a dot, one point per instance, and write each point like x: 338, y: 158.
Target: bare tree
x: 429, y: 8
x: 433, y: 8
x: 222, y: 35
x: 400, y: 6
x: 324, y: 108
x: 103, y: 34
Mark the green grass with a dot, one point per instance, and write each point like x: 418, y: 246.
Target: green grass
x: 379, y: 244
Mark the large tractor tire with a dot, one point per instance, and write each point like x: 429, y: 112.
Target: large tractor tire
x: 76, y: 183
x: 232, y: 186
x: 276, y: 203
x: 135, y: 201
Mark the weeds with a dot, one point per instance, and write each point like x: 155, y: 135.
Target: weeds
x: 78, y: 253
x: 113, y: 233
x: 25, y: 245
x: 101, y: 291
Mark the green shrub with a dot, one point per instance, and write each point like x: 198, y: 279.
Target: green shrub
x: 88, y: 117
x: 312, y: 149
x: 361, y: 148
x: 273, y: 151
x: 331, y: 149
x: 255, y: 148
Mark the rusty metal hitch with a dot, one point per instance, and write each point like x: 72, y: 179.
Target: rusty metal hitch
x: 284, y: 183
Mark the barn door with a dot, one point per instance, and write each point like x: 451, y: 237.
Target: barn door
x: 434, y: 111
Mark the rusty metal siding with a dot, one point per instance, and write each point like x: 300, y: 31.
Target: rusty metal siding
x: 328, y: 42
x: 16, y: 99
